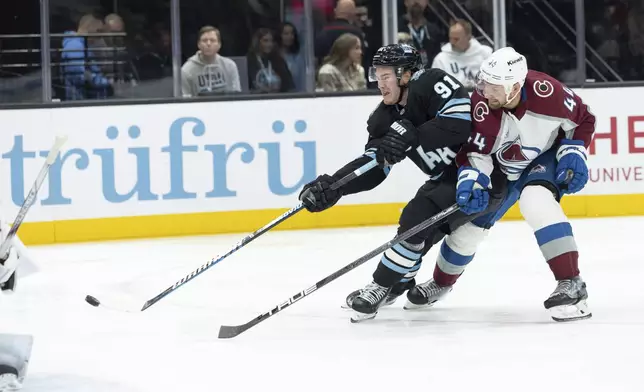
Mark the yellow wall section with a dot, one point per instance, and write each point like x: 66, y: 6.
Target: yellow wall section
x: 248, y: 221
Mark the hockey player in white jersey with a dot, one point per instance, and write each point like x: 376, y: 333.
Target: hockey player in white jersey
x: 15, y: 350
x: 536, y: 131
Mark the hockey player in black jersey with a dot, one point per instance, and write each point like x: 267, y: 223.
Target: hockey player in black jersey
x: 424, y: 116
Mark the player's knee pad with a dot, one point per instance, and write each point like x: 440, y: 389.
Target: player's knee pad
x: 539, y: 207
x: 458, y: 249
x: 401, y: 262
x: 466, y: 239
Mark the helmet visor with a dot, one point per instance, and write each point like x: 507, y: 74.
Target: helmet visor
x: 381, y: 74
x: 486, y: 89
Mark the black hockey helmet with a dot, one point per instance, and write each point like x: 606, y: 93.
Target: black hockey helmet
x: 402, y: 57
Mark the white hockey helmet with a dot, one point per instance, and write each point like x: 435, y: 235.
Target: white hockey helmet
x: 504, y: 67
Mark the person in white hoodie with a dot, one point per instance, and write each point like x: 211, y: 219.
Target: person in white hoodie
x: 207, y: 72
x: 463, y: 55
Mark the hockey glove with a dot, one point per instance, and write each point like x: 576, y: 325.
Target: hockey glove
x: 472, y: 190
x: 317, y: 195
x: 393, y: 148
x: 571, y: 158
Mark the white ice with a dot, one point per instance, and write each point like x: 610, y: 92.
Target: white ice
x: 491, y: 334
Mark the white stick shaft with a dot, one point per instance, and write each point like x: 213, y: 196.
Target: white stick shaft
x: 31, y: 196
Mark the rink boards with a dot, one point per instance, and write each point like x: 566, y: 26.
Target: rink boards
x: 203, y: 168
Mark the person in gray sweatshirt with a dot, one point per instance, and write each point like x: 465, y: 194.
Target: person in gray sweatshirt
x: 206, y: 72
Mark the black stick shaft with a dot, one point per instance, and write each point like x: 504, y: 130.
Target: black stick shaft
x: 226, y: 332
x: 249, y: 238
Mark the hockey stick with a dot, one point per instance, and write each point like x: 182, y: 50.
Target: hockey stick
x: 31, y: 196
x: 227, y: 332
x: 244, y: 241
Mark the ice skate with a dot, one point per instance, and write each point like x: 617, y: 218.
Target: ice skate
x: 425, y: 295
x: 568, y: 301
x: 9, y: 379
x: 396, y: 291
x: 368, y: 301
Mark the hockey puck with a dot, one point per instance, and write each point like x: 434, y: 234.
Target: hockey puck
x: 92, y: 301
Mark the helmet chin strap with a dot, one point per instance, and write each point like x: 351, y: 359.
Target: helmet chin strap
x: 402, y: 92
x: 401, y: 72
x: 507, y: 95
x: 403, y: 88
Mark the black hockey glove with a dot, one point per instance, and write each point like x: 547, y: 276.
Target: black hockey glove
x: 393, y: 148
x: 317, y: 195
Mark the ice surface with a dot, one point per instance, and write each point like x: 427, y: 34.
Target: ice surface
x: 490, y: 334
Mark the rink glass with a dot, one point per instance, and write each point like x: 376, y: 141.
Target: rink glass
x: 159, y: 36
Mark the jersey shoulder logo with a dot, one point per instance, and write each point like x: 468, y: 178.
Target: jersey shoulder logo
x: 543, y: 88
x: 480, y: 111
x: 417, y: 74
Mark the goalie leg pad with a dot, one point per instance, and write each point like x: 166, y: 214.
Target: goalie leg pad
x: 15, y: 353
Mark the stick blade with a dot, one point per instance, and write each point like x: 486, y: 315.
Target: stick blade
x: 146, y: 305
x: 228, y: 332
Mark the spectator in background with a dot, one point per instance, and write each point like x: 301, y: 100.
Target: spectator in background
x: 291, y: 51
x: 405, y: 38
x: 206, y: 72
x: 427, y: 37
x: 117, y: 62
x: 342, y: 69
x: 107, y: 46
x: 83, y: 78
x: 369, y: 34
x: 267, y: 70
x: 463, y: 55
x: 154, y: 59
x: 345, y: 15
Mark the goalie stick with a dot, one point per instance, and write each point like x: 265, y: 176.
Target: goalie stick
x: 31, y: 196
x: 227, y: 332
x: 244, y: 241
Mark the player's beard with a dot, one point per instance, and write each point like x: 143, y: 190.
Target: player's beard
x: 495, y: 104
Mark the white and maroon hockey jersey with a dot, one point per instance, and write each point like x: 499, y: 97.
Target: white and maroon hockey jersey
x: 547, y: 113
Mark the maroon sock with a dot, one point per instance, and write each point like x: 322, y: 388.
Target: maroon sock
x: 442, y: 279
x: 564, y: 266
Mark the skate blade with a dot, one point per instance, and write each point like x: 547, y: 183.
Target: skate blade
x: 412, y: 306
x: 347, y: 307
x: 575, y: 312
x: 360, y: 317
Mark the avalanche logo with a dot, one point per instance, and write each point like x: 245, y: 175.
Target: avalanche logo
x: 539, y: 169
x: 514, y: 157
x: 544, y: 89
x: 480, y: 111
